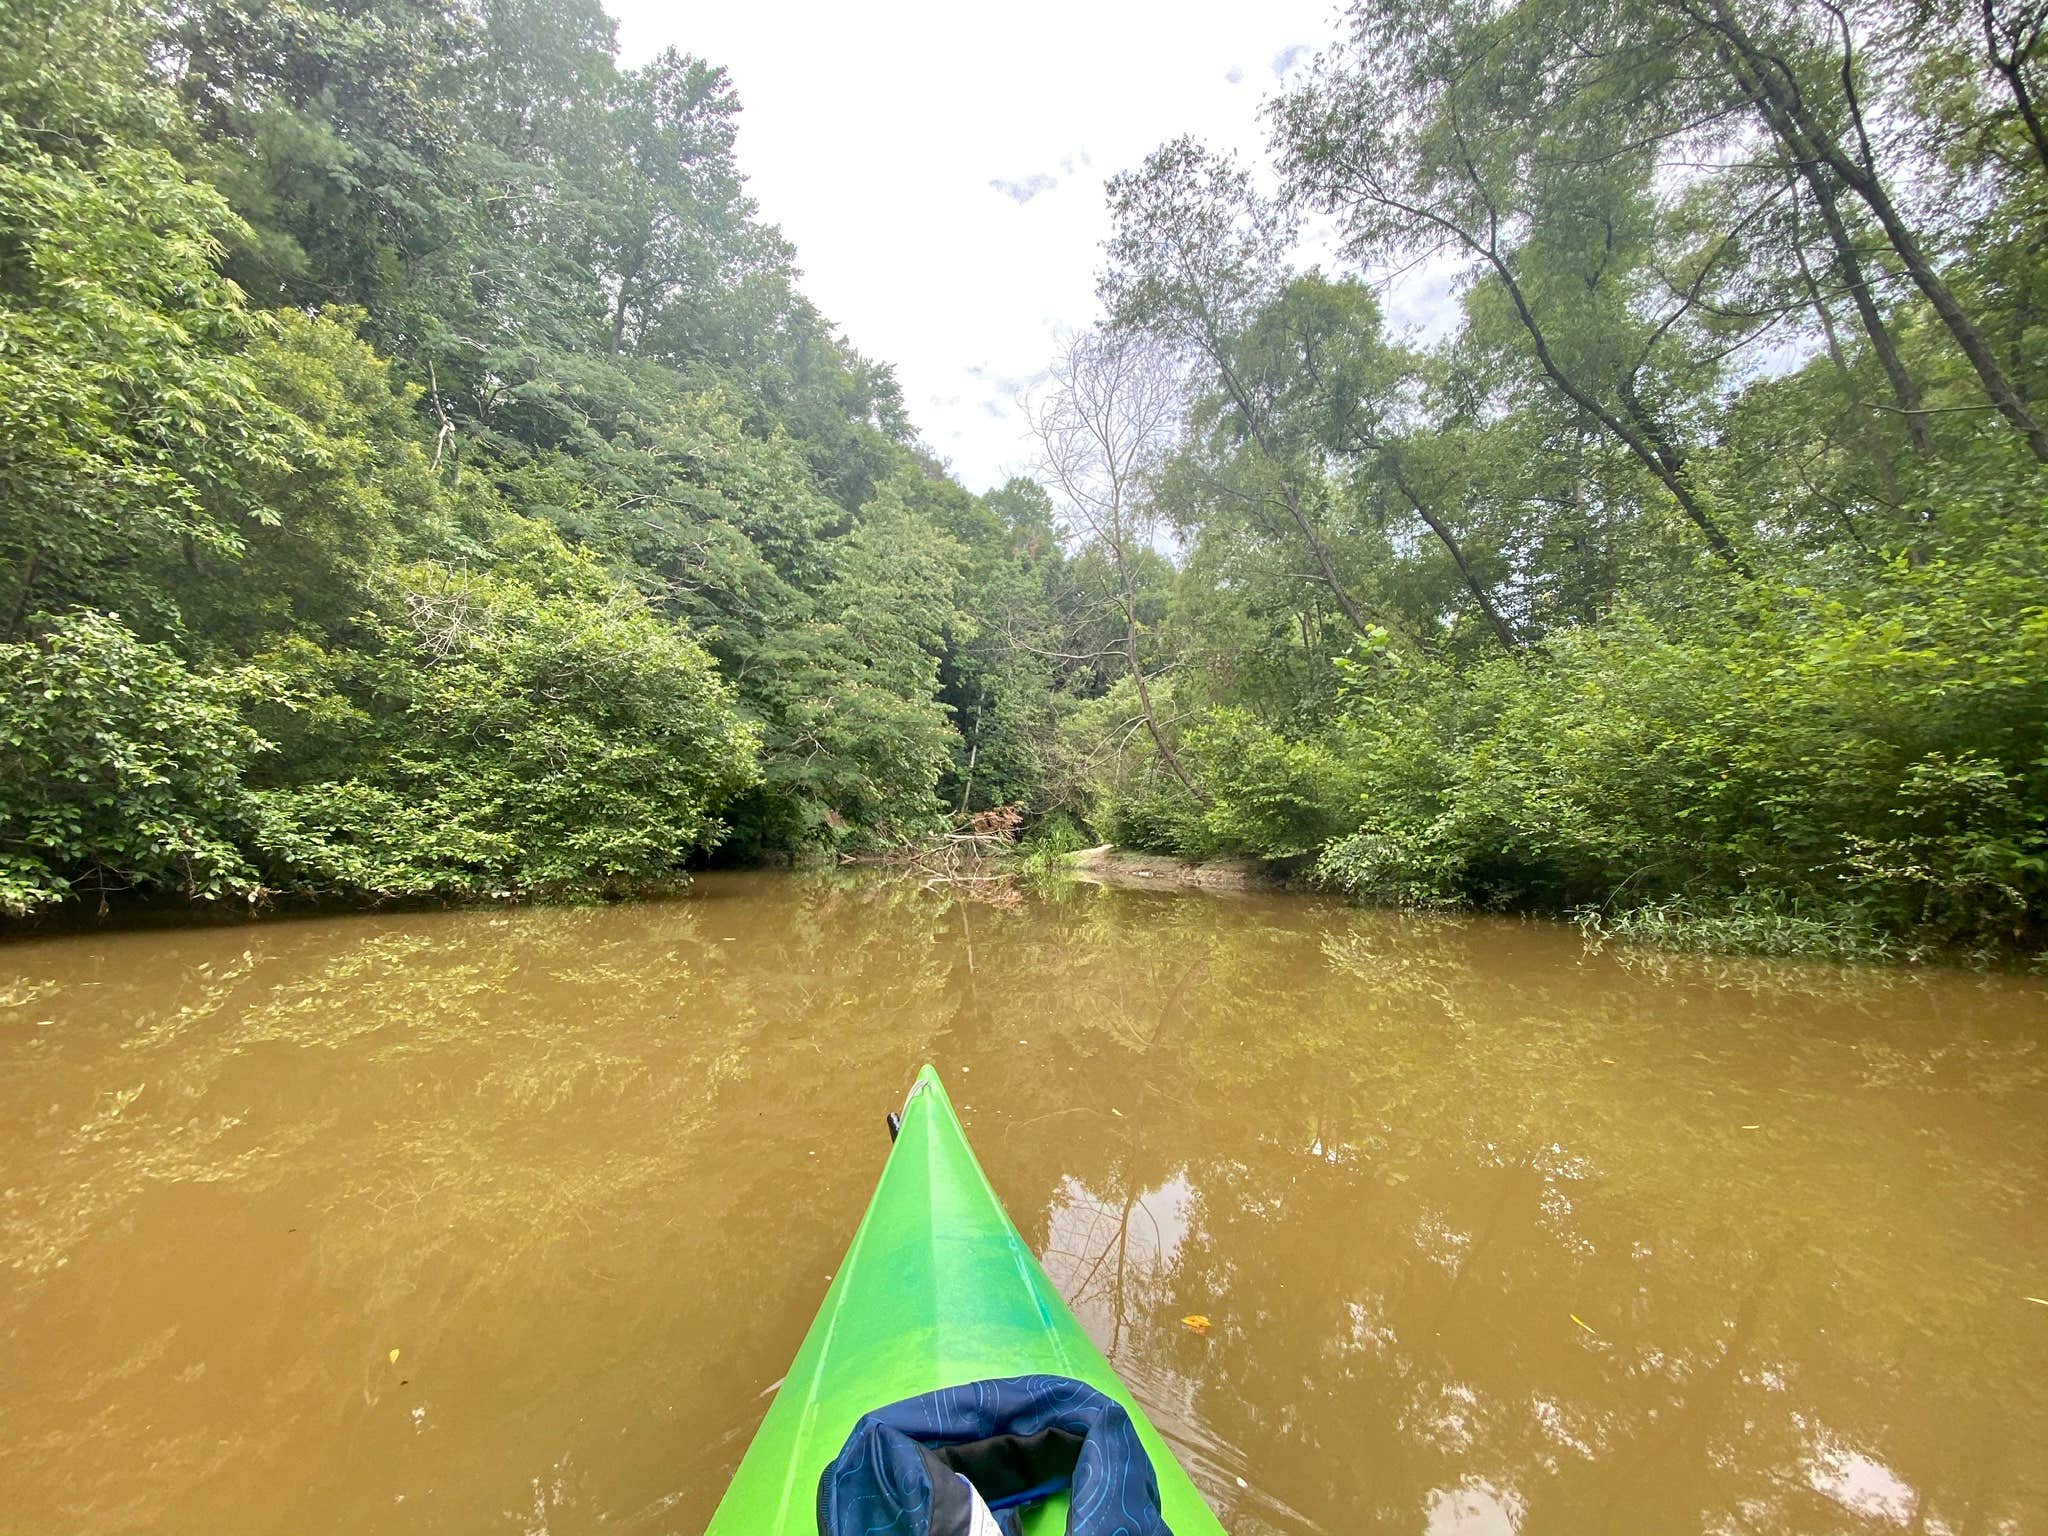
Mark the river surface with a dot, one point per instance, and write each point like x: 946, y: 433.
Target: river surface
x: 509, y: 1221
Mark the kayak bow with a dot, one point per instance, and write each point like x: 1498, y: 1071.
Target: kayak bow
x: 938, y: 1289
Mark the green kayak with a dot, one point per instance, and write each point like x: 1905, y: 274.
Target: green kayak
x: 937, y: 1289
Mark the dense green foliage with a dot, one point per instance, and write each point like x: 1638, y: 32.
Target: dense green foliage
x: 1696, y: 578
x: 420, y: 474
x: 121, y: 763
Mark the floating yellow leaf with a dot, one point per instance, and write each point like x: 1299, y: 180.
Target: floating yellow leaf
x: 1756, y: 1127
x: 1196, y: 1323
x: 2039, y: 1301
x: 394, y: 1357
x: 1584, y: 1324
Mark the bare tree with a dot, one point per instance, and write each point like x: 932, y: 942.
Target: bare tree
x: 1196, y: 255
x: 1111, y: 416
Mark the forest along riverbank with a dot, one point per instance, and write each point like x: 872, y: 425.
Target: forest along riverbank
x: 447, y: 490
x: 363, y: 1222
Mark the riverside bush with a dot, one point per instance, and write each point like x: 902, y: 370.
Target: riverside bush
x: 119, y: 767
x: 1879, y: 754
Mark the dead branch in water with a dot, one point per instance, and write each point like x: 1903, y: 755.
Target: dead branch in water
x: 958, y: 857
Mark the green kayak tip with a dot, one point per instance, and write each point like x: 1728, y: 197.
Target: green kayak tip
x: 937, y: 1289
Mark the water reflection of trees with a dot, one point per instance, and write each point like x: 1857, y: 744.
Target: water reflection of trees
x: 1418, y: 1149
x: 591, y: 1168
x: 505, y: 1143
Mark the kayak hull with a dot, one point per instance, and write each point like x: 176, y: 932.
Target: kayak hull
x: 937, y: 1289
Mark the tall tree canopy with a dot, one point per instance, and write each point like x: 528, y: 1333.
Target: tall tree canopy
x: 421, y: 473
x: 407, y: 417
x: 1641, y: 589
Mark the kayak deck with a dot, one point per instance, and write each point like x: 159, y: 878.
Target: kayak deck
x: 937, y: 1289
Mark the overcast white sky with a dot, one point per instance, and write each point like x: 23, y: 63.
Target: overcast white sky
x: 939, y: 167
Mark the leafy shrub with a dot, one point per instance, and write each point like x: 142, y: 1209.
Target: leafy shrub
x: 119, y: 767
x: 1056, y: 836
x: 129, y: 419
x: 1879, y: 753
x: 525, y: 743
x: 1269, y: 796
x: 1154, y: 814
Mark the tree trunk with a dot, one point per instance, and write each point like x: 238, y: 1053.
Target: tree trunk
x: 1905, y: 389
x: 1290, y: 495
x: 1166, y: 752
x: 1958, y: 320
x: 2008, y: 65
x: 619, y: 321
x: 967, y: 789
x: 1866, y: 419
x: 974, y: 748
x: 1666, y: 465
x: 1501, y: 629
x: 627, y: 279
x: 1810, y: 142
x: 1292, y: 500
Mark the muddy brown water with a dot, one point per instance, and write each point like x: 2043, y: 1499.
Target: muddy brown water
x: 1495, y: 1235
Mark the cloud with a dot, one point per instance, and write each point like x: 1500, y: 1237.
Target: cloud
x: 1234, y: 75
x: 1026, y: 188
x: 1426, y: 301
x: 1287, y: 58
x: 1029, y: 270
